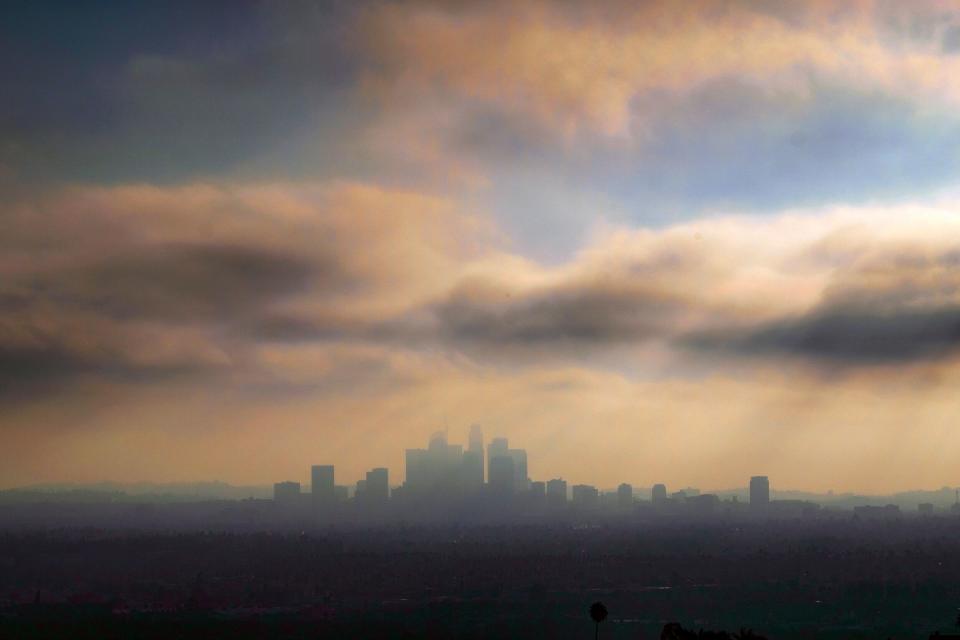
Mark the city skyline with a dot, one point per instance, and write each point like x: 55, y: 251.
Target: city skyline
x: 655, y: 241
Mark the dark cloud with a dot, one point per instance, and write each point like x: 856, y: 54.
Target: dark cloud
x: 587, y: 314
x: 29, y: 371
x: 846, y: 337
x: 178, y: 281
x: 489, y: 316
x: 100, y: 320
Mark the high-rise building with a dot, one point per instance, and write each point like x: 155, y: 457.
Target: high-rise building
x: 437, y: 470
x: 475, y: 442
x: 585, y: 496
x: 497, y: 447
x: 321, y: 483
x: 557, y: 492
x: 659, y: 494
x: 538, y: 490
x: 759, y: 492
x: 625, y: 495
x: 473, y: 462
x: 521, y: 481
x: 378, y: 484
x: 286, y: 492
x: 502, y: 475
x: 472, y: 479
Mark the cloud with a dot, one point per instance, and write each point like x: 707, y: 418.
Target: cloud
x: 893, y: 305
x: 137, y: 283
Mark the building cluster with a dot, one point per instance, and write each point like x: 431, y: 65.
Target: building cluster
x: 495, y: 473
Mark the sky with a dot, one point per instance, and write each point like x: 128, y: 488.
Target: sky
x: 647, y: 241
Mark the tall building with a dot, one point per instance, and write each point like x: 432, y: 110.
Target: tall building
x: 759, y: 492
x: 436, y: 470
x: 497, y: 447
x: 473, y: 462
x: 321, y: 483
x: 585, y: 496
x: 659, y: 493
x: 472, y: 480
x: 286, y: 492
x: 521, y: 480
x: 378, y: 484
x: 557, y: 492
x: 475, y: 442
x: 502, y: 475
x: 625, y: 495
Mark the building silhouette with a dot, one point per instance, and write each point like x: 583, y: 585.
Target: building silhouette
x: 585, y: 496
x: 473, y: 462
x: 502, y: 475
x: 659, y: 494
x: 377, y: 486
x: 521, y: 481
x: 624, y: 496
x: 286, y: 492
x: 759, y: 492
x: 557, y: 492
x: 321, y: 484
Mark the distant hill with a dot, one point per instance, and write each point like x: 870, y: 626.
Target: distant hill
x: 133, y: 492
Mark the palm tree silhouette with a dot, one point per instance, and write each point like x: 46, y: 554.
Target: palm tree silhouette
x: 598, y: 613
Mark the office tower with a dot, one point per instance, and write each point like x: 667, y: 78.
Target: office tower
x: 625, y: 495
x: 378, y: 484
x: 360, y: 493
x: 497, y: 447
x: 502, y: 475
x: 416, y: 469
x: 759, y: 492
x: 437, y: 470
x: 538, y: 490
x: 473, y: 463
x: 286, y: 492
x: 557, y: 492
x: 520, y: 478
x: 475, y: 442
x: 341, y: 493
x: 472, y: 480
x: 321, y: 484
x: 585, y: 496
x: 659, y: 494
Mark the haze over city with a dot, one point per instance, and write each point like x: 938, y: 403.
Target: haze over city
x: 432, y: 319
x: 654, y: 242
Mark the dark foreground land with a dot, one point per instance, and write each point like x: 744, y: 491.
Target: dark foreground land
x: 801, y: 579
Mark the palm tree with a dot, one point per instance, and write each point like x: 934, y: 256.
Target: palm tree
x: 598, y: 613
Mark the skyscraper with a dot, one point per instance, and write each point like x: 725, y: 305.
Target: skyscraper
x: 625, y: 495
x: 378, y: 484
x: 502, y: 475
x: 659, y: 494
x: 321, y: 484
x: 520, y: 479
x: 759, y: 492
x: 286, y: 492
x: 585, y: 496
x: 437, y: 470
x: 497, y: 447
x: 475, y: 443
x: 557, y: 492
x: 473, y: 476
